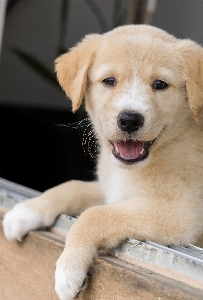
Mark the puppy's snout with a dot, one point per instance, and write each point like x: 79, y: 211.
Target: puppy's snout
x: 130, y: 122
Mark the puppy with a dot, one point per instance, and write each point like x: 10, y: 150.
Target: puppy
x: 144, y: 96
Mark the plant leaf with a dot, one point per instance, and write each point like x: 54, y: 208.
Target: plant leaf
x: 37, y: 66
x: 97, y: 12
x: 11, y: 4
x: 119, y: 15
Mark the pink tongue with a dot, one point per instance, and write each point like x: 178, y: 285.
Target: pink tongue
x: 129, y: 149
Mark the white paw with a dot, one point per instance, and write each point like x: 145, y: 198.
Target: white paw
x: 69, y: 279
x: 21, y: 219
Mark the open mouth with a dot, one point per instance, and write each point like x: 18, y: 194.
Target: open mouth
x: 130, y: 152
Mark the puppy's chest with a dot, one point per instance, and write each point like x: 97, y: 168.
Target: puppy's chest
x: 119, y: 187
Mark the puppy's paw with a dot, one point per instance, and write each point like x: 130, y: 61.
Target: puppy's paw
x: 69, y: 279
x: 21, y: 219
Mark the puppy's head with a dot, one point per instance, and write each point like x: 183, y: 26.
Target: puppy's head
x: 139, y: 82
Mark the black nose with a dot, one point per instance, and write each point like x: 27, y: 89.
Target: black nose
x: 130, y: 122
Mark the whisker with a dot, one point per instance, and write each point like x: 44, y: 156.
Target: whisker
x: 76, y: 125
x: 89, y: 137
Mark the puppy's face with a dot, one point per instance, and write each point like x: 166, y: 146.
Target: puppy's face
x: 135, y: 95
x: 141, y: 87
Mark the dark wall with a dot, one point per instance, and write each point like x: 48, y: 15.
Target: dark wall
x: 37, y: 153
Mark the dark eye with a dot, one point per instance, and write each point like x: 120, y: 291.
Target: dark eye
x: 110, y: 81
x: 159, y: 85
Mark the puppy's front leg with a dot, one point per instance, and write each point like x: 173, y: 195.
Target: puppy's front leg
x: 71, y: 198
x: 96, y: 228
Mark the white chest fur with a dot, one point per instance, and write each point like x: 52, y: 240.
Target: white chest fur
x: 117, y: 185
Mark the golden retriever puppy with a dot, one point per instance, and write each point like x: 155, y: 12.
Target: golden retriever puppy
x: 143, y: 91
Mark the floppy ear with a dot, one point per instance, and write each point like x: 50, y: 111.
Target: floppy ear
x: 72, y: 68
x: 191, y: 57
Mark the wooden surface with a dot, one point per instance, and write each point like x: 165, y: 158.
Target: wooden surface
x: 114, y: 279
x: 27, y: 268
x: 27, y: 273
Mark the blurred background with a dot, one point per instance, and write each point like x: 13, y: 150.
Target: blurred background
x: 39, y: 148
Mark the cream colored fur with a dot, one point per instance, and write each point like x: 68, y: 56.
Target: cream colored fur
x: 159, y: 198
